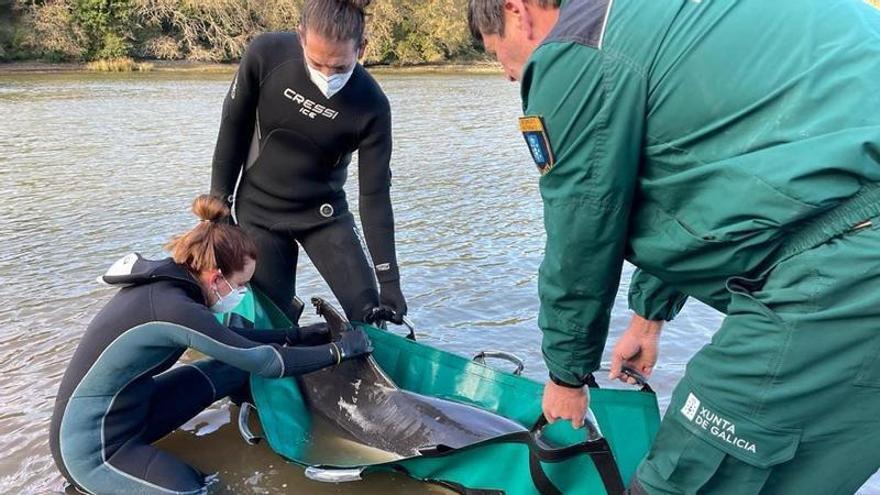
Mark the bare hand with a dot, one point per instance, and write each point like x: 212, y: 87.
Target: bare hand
x: 637, y: 349
x: 565, y: 403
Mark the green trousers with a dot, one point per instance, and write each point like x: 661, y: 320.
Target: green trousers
x: 786, y: 397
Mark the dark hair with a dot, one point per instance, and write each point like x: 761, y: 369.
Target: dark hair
x: 337, y: 20
x: 487, y: 16
x: 212, y: 243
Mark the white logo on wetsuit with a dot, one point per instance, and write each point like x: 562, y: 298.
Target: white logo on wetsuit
x: 308, y: 107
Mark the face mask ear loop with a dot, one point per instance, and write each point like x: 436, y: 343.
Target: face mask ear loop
x: 216, y: 289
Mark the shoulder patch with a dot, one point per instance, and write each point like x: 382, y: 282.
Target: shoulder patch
x: 535, y: 134
x: 583, y: 22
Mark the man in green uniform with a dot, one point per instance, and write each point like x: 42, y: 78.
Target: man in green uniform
x: 731, y: 151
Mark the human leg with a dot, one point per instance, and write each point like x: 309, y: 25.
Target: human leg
x: 275, y: 274
x: 784, y: 399
x: 336, y: 251
x: 185, y: 391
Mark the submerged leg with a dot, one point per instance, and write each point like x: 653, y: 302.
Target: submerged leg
x: 185, y: 391
x: 143, y: 469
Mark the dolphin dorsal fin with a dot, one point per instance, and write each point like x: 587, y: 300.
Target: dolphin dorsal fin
x: 336, y: 322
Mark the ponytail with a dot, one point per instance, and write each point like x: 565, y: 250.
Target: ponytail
x: 212, y: 244
x: 336, y: 20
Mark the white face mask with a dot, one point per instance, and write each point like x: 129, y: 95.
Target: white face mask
x: 230, y: 301
x: 329, y: 86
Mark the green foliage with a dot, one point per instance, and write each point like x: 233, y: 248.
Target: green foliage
x: 11, y: 34
x: 51, y: 31
x: 400, y: 31
x: 209, y: 30
x: 5, y: 29
x: 105, y: 24
x: 414, y: 32
x: 113, y: 46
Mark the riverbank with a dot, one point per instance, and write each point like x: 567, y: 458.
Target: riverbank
x: 185, y: 67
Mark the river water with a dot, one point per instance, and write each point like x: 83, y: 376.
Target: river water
x: 93, y: 167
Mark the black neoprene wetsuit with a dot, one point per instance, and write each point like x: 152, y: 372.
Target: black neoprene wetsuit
x: 292, y: 147
x: 119, y: 393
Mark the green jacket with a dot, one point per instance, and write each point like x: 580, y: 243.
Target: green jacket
x: 692, y: 137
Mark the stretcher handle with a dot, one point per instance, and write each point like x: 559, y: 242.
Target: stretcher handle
x: 411, y: 327
x: 298, y: 307
x: 244, y: 413
x: 595, y: 446
x: 641, y: 380
x: 383, y: 324
x: 328, y: 475
x: 481, y: 357
x: 591, y: 426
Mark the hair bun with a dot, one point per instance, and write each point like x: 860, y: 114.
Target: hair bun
x: 209, y: 208
x: 217, y: 245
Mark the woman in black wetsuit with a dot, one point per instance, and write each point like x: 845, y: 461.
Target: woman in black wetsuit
x: 119, y: 393
x: 298, y: 108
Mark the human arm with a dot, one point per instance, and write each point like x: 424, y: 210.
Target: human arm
x: 564, y: 402
x: 377, y: 216
x: 310, y: 335
x: 189, y: 324
x: 653, y: 299
x: 653, y: 302
x: 593, y: 111
x: 237, y: 124
x: 637, y: 348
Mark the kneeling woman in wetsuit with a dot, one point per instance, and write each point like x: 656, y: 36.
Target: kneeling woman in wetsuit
x: 119, y: 394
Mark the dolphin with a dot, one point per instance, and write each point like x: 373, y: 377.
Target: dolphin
x: 358, y: 397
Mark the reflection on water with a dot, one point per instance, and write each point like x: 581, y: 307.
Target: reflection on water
x: 93, y: 167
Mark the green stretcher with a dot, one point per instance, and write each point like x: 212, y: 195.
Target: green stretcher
x: 541, y: 460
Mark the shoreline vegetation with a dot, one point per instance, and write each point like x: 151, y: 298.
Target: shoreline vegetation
x: 209, y: 35
x: 120, y: 64
x: 190, y: 67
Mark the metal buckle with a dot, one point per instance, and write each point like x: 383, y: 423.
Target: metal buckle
x: 326, y: 210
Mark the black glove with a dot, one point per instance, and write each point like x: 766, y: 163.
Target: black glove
x: 392, y: 305
x: 311, y: 335
x: 352, y: 344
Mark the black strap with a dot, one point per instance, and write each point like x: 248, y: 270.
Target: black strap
x: 456, y: 487
x: 598, y: 450
x: 608, y: 471
x: 463, y: 490
x: 539, y: 477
